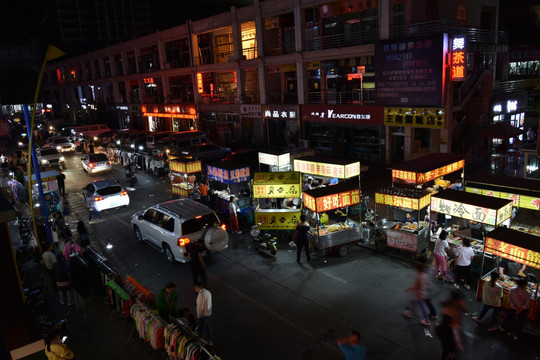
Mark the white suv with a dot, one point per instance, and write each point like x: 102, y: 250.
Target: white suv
x: 173, y: 225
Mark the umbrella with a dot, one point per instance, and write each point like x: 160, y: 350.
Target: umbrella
x: 500, y: 130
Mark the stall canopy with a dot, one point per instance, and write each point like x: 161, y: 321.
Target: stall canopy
x: 500, y: 130
x: 480, y: 208
x: 514, y: 245
x: 328, y: 167
x: 277, y: 184
x: 279, y: 159
x: 415, y: 199
x: 332, y: 197
x: 45, y: 176
x: 185, y: 166
x: 524, y: 193
x: 427, y: 168
x: 228, y: 172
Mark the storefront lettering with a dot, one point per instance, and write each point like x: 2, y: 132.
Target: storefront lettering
x: 512, y: 252
x: 479, y: 214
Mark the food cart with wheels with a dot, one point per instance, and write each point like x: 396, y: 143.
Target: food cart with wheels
x: 278, y: 185
x: 51, y: 194
x: 460, y: 205
x: 524, y: 193
x: 339, y: 235
x: 413, y: 236
x: 519, y: 247
x: 227, y: 179
x: 182, y: 181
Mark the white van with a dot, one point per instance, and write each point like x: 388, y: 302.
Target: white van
x: 90, y: 131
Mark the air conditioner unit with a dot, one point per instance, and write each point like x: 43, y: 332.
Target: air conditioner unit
x: 304, y: 143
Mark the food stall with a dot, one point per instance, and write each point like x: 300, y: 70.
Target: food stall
x: 337, y: 235
x: 521, y: 248
x: 490, y: 211
x: 278, y: 160
x: 524, y: 193
x: 430, y: 168
x: 51, y: 195
x: 277, y: 185
x: 414, y: 236
x: 182, y: 180
x: 226, y: 179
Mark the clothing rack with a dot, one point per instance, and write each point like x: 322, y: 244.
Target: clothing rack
x: 192, y: 348
x: 149, y: 326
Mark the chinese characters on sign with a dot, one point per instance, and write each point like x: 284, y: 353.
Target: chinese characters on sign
x: 275, y: 220
x: 185, y: 168
x: 403, y: 240
x: 471, y: 212
x: 459, y: 59
x: 227, y: 176
x: 329, y: 170
x: 331, y: 202
x: 181, y: 191
x: 521, y: 201
x: 420, y: 178
x: 415, y: 117
x: 512, y: 252
x: 404, y: 202
x: 276, y: 185
x: 170, y: 111
x: 275, y: 160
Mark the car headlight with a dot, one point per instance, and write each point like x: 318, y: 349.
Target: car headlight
x: 118, y: 142
x: 95, y: 138
x: 43, y: 161
x: 20, y: 143
x: 62, y: 158
x: 132, y: 146
x: 58, y: 148
x: 141, y: 147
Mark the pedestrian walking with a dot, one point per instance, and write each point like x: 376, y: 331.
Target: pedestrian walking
x: 351, y: 347
x: 60, y: 180
x: 519, y: 308
x: 49, y: 259
x: 92, y: 211
x: 419, y: 292
x: 464, y: 257
x: 56, y: 347
x: 166, y: 301
x: 204, y: 311
x: 82, y: 231
x: 91, y: 147
x: 491, y: 297
x: 197, y: 264
x: 233, y: 210
x: 429, y: 271
x: 203, y: 190
x: 439, y: 253
x: 445, y: 334
x: 455, y: 307
x: 71, y: 248
x: 63, y: 280
x: 300, y: 238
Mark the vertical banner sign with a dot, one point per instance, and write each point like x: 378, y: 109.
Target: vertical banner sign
x: 459, y: 59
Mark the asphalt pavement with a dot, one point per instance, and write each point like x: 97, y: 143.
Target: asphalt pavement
x: 273, y: 308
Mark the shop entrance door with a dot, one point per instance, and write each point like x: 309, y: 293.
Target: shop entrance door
x: 398, y: 147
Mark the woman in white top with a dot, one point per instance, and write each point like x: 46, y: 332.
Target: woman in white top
x: 464, y: 256
x: 439, y: 253
x: 491, y: 297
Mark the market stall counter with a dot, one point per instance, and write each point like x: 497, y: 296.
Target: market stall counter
x: 182, y: 180
x: 51, y: 194
x: 337, y: 235
x: 521, y: 248
x: 227, y: 179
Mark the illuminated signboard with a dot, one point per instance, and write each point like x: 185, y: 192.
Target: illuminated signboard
x: 277, y: 219
x: 459, y: 59
x: 333, y: 201
x: 170, y: 111
x: 185, y: 168
x: 329, y: 170
x: 228, y: 176
x: 276, y: 185
x: 512, y: 252
x: 471, y: 212
x: 343, y: 114
x: 415, y: 117
x: 275, y: 160
x: 421, y: 178
x: 181, y: 191
x: 521, y: 201
x: 404, y: 202
x: 403, y: 240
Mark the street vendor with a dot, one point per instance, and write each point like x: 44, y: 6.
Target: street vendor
x: 409, y: 218
x: 511, y: 269
x: 341, y: 214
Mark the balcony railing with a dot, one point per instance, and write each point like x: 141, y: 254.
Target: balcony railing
x: 342, y: 40
x: 217, y: 98
x: 367, y: 96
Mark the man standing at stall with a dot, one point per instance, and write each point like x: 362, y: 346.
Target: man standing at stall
x: 60, y: 179
x: 204, y: 311
x: 300, y: 238
x: 233, y: 209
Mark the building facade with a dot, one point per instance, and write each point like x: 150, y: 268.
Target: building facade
x: 379, y: 81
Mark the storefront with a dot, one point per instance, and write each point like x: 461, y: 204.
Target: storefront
x: 516, y: 247
x: 172, y: 117
x: 182, y: 178
x: 345, y: 131
x: 281, y: 125
x: 252, y: 125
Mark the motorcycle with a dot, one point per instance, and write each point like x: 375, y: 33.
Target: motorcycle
x: 263, y: 241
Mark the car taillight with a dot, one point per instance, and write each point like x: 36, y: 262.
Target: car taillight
x: 183, y: 241
x: 91, y: 165
x: 223, y: 226
x: 97, y: 198
x: 109, y: 163
x: 123, y: 193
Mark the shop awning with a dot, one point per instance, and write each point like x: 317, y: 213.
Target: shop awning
x: 427, y: 168
x: 500, y: 130
x: 329, y: 167
x: 227, y: 172
x: 480, y: 208
x: 414, y: 199
x: 185, y: 166
x: 45, y: 176
x: 524, y: 193
x: 514, y: 245
x: 277, y: 184
x: 332, y: 197
x: 275, y: 158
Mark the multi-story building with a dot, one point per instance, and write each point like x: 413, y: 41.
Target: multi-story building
x: 380, y: 81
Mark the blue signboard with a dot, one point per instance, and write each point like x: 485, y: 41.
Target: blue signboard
x: 228, y: 176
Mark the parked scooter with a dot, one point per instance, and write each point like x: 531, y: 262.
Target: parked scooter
x: 263, y: 241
